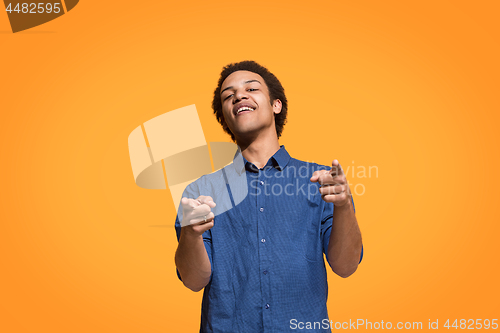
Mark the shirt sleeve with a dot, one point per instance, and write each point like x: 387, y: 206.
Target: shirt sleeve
x: 191, y: 192
x: 326, y: 226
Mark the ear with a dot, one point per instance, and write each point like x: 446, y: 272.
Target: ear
x: 277, y: 106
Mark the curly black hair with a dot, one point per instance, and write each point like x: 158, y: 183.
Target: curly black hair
x: 276, y: 91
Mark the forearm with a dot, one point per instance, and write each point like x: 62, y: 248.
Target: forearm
x: 344, y: 248
x: 192, y: 260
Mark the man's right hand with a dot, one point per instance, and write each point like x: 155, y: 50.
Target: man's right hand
x: 197, y: 215
x: 191, y: 257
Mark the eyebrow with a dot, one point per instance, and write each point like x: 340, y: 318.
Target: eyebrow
x: 246, y: 82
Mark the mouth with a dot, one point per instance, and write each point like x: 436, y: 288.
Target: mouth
x: 243, y: 108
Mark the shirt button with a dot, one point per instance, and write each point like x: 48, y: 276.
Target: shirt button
x: 261, y: 182
x: 263, y: 240
x: 267, y: 306
x: 261, y: 209
x: 265, y: 272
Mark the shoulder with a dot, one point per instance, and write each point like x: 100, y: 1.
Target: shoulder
x: 225, y: 186
x: 206, y: 184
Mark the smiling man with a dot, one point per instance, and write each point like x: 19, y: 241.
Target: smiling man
x: 261, y: 261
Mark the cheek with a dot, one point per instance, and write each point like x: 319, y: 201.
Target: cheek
x: 226, y: 115
x: 224, y: 109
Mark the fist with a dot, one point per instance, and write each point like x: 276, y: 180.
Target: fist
x: 197, y: 214
x: 333, y: 185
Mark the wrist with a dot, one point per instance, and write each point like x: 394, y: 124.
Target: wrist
x: 190, y: 234
x: 346, y: 205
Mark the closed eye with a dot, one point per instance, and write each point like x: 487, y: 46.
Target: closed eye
x: 249, y: 89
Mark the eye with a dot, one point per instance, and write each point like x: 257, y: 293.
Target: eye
x: 228, y: 96
x: 252, y: 89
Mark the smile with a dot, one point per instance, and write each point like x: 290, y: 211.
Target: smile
x: 244, y: 109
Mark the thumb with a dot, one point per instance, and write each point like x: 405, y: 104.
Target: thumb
x: 315, y: 176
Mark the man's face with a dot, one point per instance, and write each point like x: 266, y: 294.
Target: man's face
x: 246, y: 105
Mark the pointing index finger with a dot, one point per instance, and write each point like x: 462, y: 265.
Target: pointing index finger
x: 336, y: 169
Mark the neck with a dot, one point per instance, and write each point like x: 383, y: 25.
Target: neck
x: 259, y: 150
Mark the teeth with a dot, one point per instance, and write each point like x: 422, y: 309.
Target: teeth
x: 244, y: 108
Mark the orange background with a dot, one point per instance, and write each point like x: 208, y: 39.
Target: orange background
x: 411, y: 88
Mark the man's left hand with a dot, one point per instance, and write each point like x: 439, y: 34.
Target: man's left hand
x: 334, y: 187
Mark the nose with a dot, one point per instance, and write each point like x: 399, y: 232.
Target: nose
x: 239, y: 95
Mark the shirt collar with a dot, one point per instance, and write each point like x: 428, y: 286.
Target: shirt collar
x: 279, y: 160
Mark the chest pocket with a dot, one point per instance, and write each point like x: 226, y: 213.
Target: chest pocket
x: 302, y: 226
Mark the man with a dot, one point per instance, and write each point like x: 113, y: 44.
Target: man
x: 261, y: 260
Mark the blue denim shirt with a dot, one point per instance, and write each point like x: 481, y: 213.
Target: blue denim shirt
x: 271, y: 228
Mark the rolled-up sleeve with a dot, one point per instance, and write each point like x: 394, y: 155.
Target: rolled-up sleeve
x: 326, y: 227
